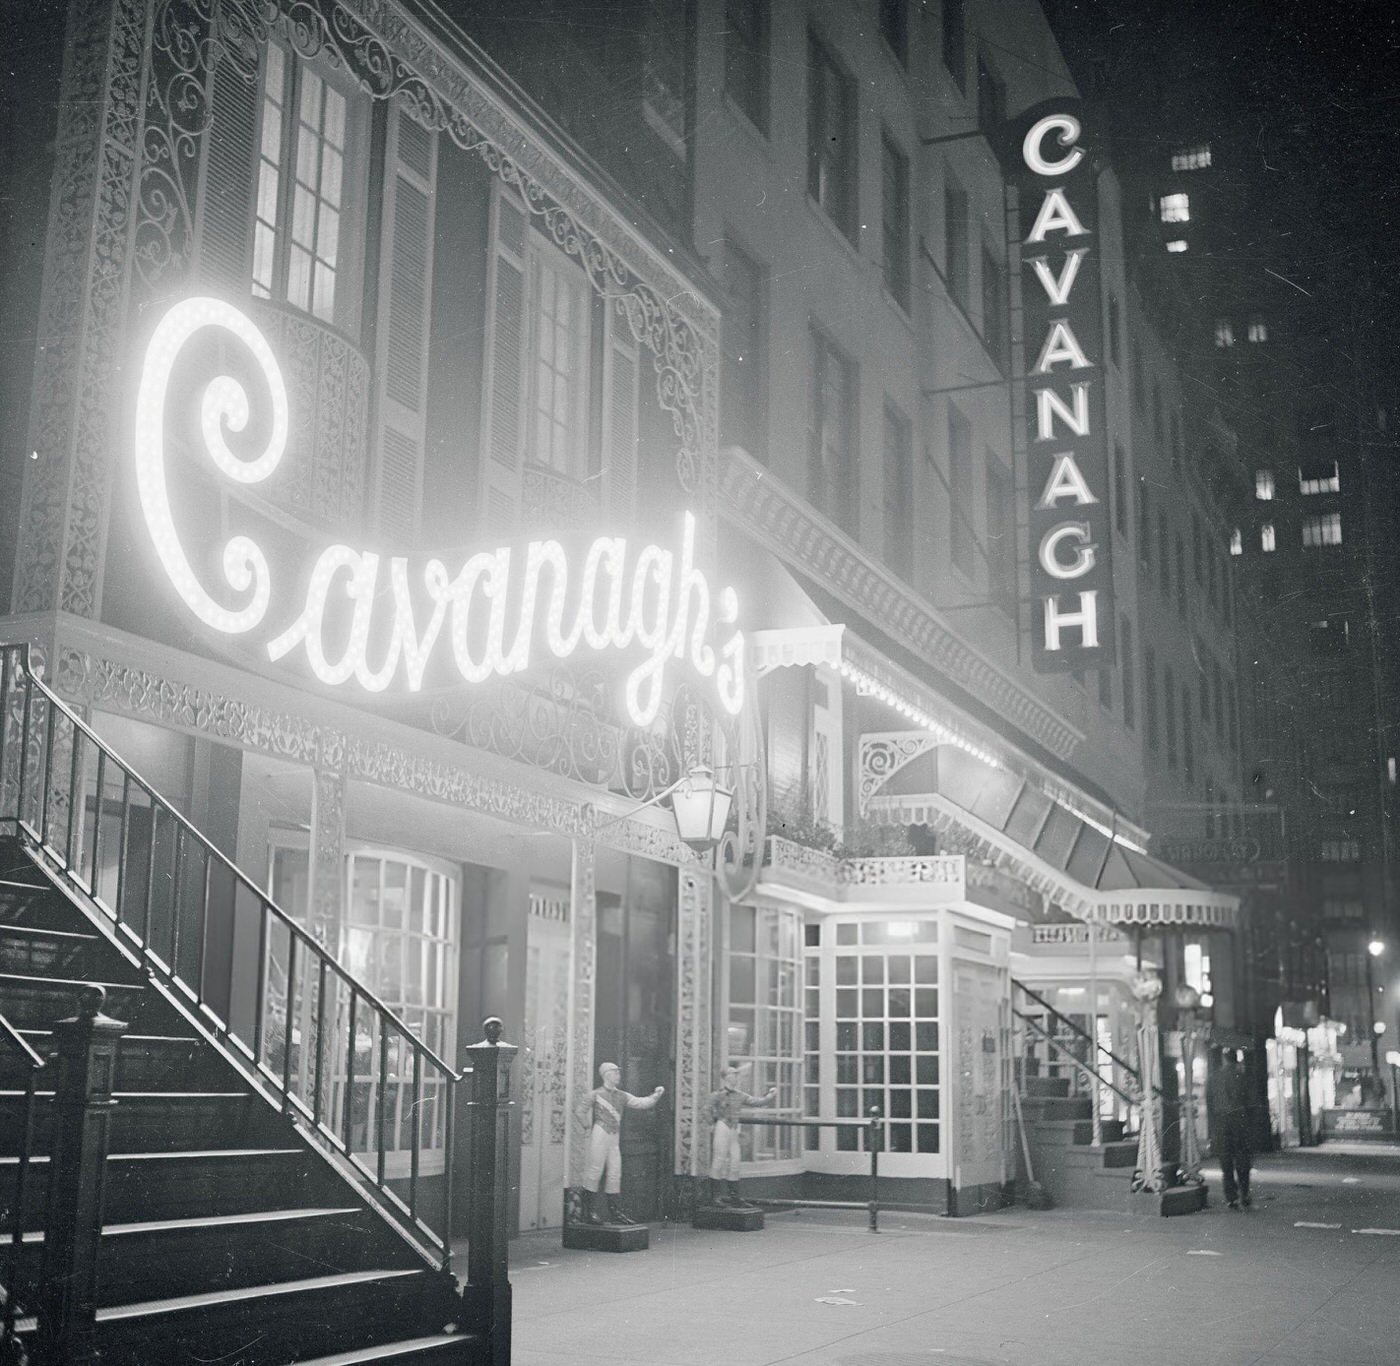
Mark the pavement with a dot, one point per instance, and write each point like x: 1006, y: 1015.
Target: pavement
x: 1310, y: 1276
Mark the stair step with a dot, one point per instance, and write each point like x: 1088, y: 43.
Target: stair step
x: 39, y: 1001
x: 145, y: 1062
x: 1045, y: 1087
x: 1056, y: 1107
x: 441, y: 1347
x: 270, y: 1324
x: 35, y: 949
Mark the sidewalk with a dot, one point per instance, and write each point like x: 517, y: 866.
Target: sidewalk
x: 1053, y: 1289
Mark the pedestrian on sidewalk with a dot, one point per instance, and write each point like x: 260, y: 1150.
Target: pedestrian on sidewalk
x: 1227, y: 1102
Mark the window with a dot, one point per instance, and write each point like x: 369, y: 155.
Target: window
x: 743, y: 413
x: 884, y: 976
x: 746, y: 58
x: 899, y: 493
x: 1219, y: 677
x: 1169, y: 714
x: 1188, y: 746
x: 1125, y: 663
x: 1149, y: 696
x: 991, y: 98
x: 1106, y: 689
x: 557, y: 415
x: 1198, y: 548
x: 1237, y: 542
x: 1181, y: 583
x: 1264, y: 485
x: 994, y: 302
x: 1144, y: 529
x: 1175, y: 207
x: 1232, y: 715
x: 309, y: 147
x: 765, y: 1017
x: 1177, y: 245
x: 1195, y: 158
x: 894, y: 28
x: 1258, y: 329
x: 1115, y: 330
x: 955, y: 240
x: 1178, y: 449
x: 1341, y: 851
x: 1323, y: 530
x: 1321, y: 476
x: 894, y: 219
x: 1120, y: 490
x: 1164, y: 554
x: 955, y: 40
x: 961, y: 537
x: 1158, y: 427
x: 831, y: 138
x: 1139, y: 378
x: 1205, y: 684
x: 1266, y: 537
x: 1224, y: 332
x: 831, y: 470
x: 1001, y: 534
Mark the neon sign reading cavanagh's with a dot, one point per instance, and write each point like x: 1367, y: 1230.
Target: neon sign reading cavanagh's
x: 500, y: 609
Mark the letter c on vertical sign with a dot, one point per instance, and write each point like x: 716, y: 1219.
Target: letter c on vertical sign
x: 1068, y: 128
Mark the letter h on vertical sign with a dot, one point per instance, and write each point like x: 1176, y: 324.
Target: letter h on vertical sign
x: 1071, y: 572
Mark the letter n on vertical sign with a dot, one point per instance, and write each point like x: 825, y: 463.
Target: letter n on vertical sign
x: 1071, y: 570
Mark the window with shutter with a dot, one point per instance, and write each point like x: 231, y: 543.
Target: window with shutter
x: 620, y: 376
x: 401, y: 362
x: 503, y: 416
x: 225, y: 203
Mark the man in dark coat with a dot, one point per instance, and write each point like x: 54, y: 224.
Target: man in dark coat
x: 1228, y: 1102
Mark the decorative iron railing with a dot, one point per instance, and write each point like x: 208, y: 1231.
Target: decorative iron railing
x: 553, y: 501
x: 12, y: 1041
x: 1073, y: 932
x: 319, y: 1043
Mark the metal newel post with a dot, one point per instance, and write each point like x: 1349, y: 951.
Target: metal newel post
x: 486, y: 1297
x: 86, y: 1048
x: 875, y: 1141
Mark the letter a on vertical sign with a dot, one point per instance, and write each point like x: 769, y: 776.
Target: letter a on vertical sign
x: 1065, y: 443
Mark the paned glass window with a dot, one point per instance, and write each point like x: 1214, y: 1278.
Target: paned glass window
x: 1322, y: 477
x: 560, y: 325
x: 899, y: 493
x: 1195, y: 158
x: 962, y: 537
x: 746, y: 58
x: 957, y: 261
x: 831, y: 138
x: 831, y: 466
x: 1175, y: 207
x: 1323, y: 530
x: 1224, y: 332
x: 1267, y: 539
x: 894, y: 218
x: 1264, y: 485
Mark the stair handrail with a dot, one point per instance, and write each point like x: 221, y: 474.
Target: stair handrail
x: 35, y: 1063
x: 1079, y: 1030
x: 405, y: 1214
x: 1077, y: 1061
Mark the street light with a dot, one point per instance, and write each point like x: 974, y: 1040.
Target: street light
x: 701, y: 807
x: 1374, y: 950
x: 1376, y: 947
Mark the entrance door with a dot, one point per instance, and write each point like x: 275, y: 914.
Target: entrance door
x: 633, y: 1025
x: 544, y: 1060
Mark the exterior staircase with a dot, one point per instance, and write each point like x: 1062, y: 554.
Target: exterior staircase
x: 1075, y: 1171
x: 178, y: 1189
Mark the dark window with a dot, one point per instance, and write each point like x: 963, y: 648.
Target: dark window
x: 994, y: 305
x: 1120, y: 490
x: 1125, y: 664
x: 831, y: 467
x: 1188, y: 746
x: 1169, y: 714
x: 1144, y: 530
x: 899, y: 493
x: 745, y: 324
x: 894, y: 219
x: 1115, y: 331
x: 831, y: 138
x: 1001, y: 534
x: 955, y: 40
x: 991, y: 98
x: 961, y: 537
x: 894, y: 28
x: 746, y: 58
x: 955, y: 238
x: 1149, y: 696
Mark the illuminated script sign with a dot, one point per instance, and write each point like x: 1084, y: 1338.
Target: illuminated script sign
x: 379, y: 621
x: 1061, y: 290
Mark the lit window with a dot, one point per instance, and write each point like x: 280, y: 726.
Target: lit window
x: 1192, y: 158
x: 1258, y: 329
x: 1175, y: 208
x: 1323, y: 477
x: 1391, y: 770
x: 1264, y: 485
x: 560, y: 333
x: 1178, y: 244
x: 1341, y: 851
x: 1237, y: 542
x: 297, y: 230
x: 1224, y: 333
x: 1323, y: 530
x: 1266, y: 536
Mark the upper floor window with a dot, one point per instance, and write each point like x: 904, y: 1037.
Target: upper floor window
x: 994, y: 303
x: 1120, y: 489
x: 1175, y: 208
x: 1323, y: 530
x: 831, y: 467
x: 1125, y: 662
x: 894, y: 28
x: 1237, y: 542
x: 962, y: 534
x: 955, y: 40
x: 991, y: 97
x: 957, y: 261
x: 310, y: 142
x: 1115, y: 330
x: 1320, y: 477
x: 831, y: 137
x: 743, y: 416
x: 1195, y: 158
x: 560, y: 328
x: 1267, y: 540
x: 899, y: 493
x: 1224, y: 332
x: 894, y: 218
x: 1264, y: 485
x: 746, y: 58
x: 1001, y: 533
x: 1177, y: 245
x: 1258, y: 329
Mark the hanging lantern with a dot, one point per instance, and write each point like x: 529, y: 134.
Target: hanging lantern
x: 701, y: 807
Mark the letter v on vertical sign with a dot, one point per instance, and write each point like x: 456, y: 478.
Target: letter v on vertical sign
x: 661, y: 609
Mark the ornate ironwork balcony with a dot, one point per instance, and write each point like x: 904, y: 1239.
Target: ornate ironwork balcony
x: 551, y: 501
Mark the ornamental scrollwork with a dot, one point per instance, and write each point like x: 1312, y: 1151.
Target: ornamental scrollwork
x: 882, y: 756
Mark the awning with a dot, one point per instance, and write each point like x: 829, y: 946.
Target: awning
x: 1074, y: 861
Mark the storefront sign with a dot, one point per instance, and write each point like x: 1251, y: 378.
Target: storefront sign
x: 1061, y: 291
x: 501, y: 610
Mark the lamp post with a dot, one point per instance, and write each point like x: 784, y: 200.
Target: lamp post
x: 1188, y: 1002
x: 1373, y: 951
x: 1393, y: 1058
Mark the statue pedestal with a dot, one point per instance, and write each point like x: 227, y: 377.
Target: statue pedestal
x: 730, y: 1220
x: 607, y: 1237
